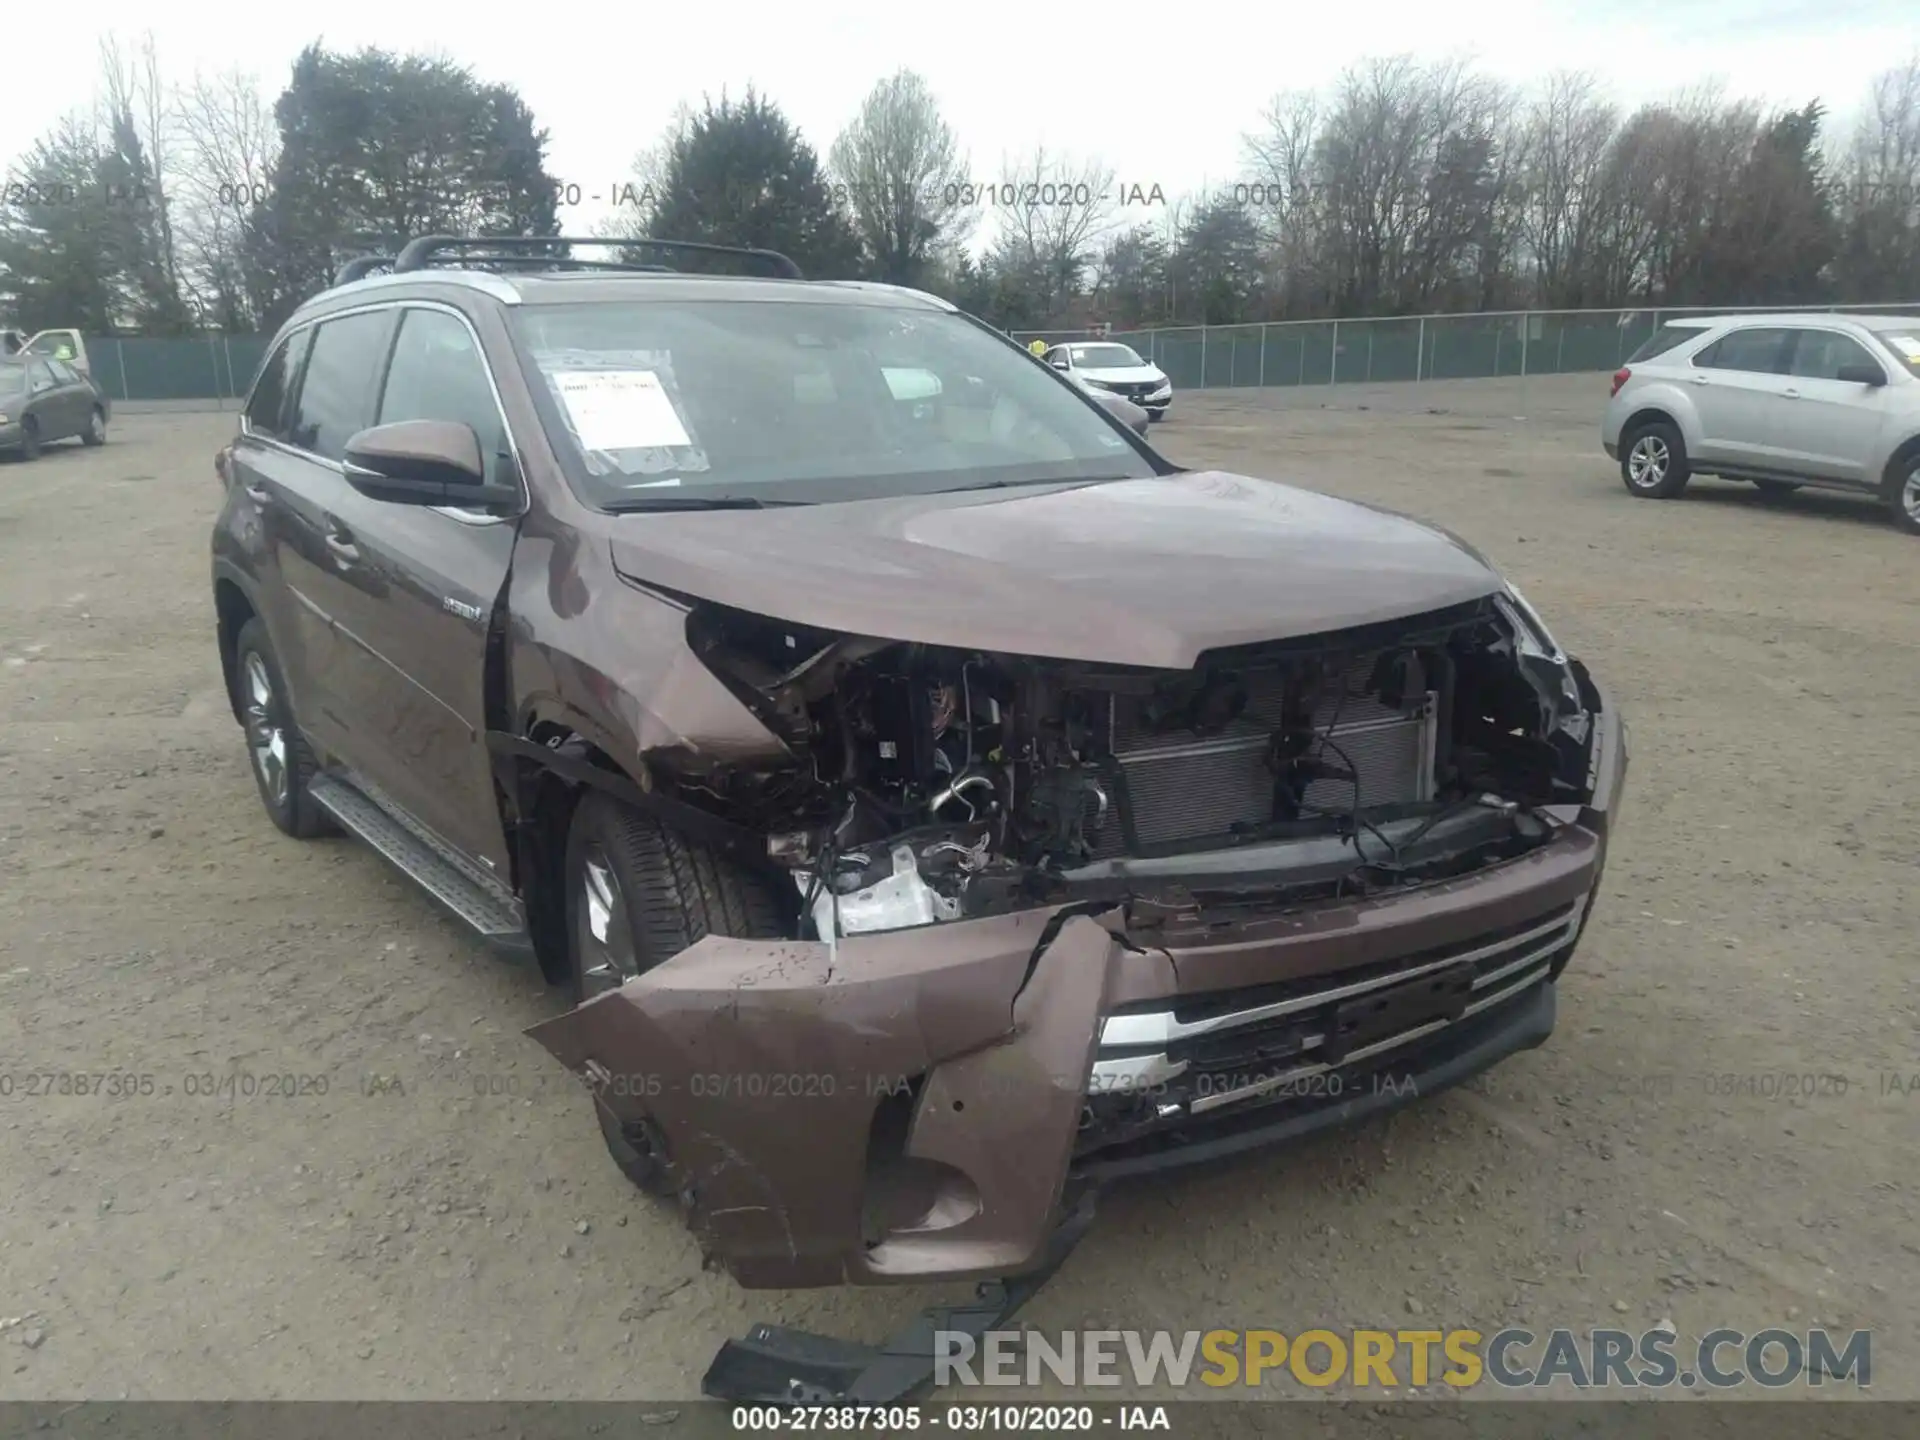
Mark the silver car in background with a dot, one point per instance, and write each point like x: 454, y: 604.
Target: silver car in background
x: 1780, y: 401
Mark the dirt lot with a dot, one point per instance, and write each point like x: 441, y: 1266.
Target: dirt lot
x: 408, y: 1236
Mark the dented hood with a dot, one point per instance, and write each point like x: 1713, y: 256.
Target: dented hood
x: 1139, y: 572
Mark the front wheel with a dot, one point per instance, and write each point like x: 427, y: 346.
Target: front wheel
x: 638, y: 894
x: 1653, y: 462
x: 1903, y: 494
x: 96, y: 431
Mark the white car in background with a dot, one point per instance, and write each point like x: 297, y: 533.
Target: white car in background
x: 1781, y: 401
x: 1118, y: 370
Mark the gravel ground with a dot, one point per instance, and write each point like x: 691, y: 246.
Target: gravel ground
x: 442, y: 1222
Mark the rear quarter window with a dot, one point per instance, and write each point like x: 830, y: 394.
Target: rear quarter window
x: 1667, y: 337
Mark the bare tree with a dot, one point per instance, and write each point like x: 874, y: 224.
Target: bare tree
x: 229, y: 146
x: 1053, y: 212
x: 140, y: 137
x: 904, y: 179
x: 1563, y: 148
x: 1880, y: 179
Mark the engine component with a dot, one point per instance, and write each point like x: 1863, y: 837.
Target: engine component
x: 900, y: 900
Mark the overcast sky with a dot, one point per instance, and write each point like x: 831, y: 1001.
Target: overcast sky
x: 1162, y: 91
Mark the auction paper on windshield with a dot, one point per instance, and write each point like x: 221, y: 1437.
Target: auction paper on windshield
x: 620, y: 410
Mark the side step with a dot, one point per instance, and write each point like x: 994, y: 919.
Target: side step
x: 488, y: 908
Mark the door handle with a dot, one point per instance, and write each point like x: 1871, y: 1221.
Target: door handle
x: 257, y: 493
x: 1701, y: 380
x: 1790, y: 394
x: 340, y: 542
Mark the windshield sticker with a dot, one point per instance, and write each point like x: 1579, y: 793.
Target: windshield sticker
x: 620, y: 409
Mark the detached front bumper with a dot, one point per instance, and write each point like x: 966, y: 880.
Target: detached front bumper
x: 927, y: 1104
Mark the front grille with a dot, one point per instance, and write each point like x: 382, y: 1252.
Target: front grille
x: 1159, y: 1068
x: 1178, y: 787
x: 1133, y: 389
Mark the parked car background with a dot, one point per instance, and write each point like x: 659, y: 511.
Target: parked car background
x: 1780, y: 401
x: 1118, y: 369
x: 43, y: 399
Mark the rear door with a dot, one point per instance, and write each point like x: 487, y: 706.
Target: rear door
x: 1738, y: 384
x: 264, y: 472
x: 1832, y: 427
x: 76, y: 394
x: 320, y: 561
x: 418, y: 601
x: 50, y: 402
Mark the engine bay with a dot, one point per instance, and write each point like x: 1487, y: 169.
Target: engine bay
x: 927, y: 784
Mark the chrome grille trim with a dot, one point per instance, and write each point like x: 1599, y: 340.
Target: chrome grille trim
x: 1164, y: 1028
x: 1204, y: 1103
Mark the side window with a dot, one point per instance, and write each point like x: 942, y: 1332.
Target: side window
x: 438, y: 374
x: 267, y: 408
x: 1760, y: 350
x: 64, y: 373
x: 336, y: 394
x: 1821, y: 354
x: 39, y: 376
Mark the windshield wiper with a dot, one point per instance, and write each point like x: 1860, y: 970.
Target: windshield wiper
x: 692, y: 502
x: 1018, y: 484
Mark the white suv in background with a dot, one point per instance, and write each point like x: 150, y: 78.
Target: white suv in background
x: 1116, y: 369
x: 1778, y: 400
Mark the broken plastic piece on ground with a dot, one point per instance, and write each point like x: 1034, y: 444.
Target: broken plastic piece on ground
x: 777, y: 1366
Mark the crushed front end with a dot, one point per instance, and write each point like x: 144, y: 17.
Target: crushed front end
x: 1056, y: 922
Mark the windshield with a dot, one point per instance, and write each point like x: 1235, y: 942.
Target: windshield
x: 1104, y: 357
x: 1904, y: 346
x: 792, y: 402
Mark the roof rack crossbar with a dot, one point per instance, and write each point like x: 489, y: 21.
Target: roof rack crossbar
x: 418, y: 252
x: 359, y: 267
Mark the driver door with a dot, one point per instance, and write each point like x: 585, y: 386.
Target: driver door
x: 421, y: 603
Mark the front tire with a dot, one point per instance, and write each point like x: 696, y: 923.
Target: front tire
x: 96, y: 431
x: 281, y: 762
x: 638, y: 893
x: 1653, y: 461
x: 1902, y: 494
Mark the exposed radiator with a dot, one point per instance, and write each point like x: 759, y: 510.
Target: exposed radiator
x: 1181, y: 787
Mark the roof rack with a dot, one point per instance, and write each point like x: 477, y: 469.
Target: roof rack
x: 419, y: 253
x: 359, y: 267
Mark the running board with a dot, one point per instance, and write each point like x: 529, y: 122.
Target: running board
x: 492, y: 913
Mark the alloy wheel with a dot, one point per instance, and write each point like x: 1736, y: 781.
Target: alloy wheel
x: 266, y: 737
x: 1648, y: 461
x: 1910, y: 495
x: 607, y: 958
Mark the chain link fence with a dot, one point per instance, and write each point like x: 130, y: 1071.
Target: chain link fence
x: 1415, y: 347
x: 1197, y: 357
x: 202, y: 367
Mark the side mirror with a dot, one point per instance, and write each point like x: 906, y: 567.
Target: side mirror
x: 423, y: 462
x: 1059, y: 364
x: 1126, y: 412
x: 1871, y: 375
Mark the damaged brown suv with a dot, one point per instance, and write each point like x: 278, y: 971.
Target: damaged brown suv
x: 939, y: 804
